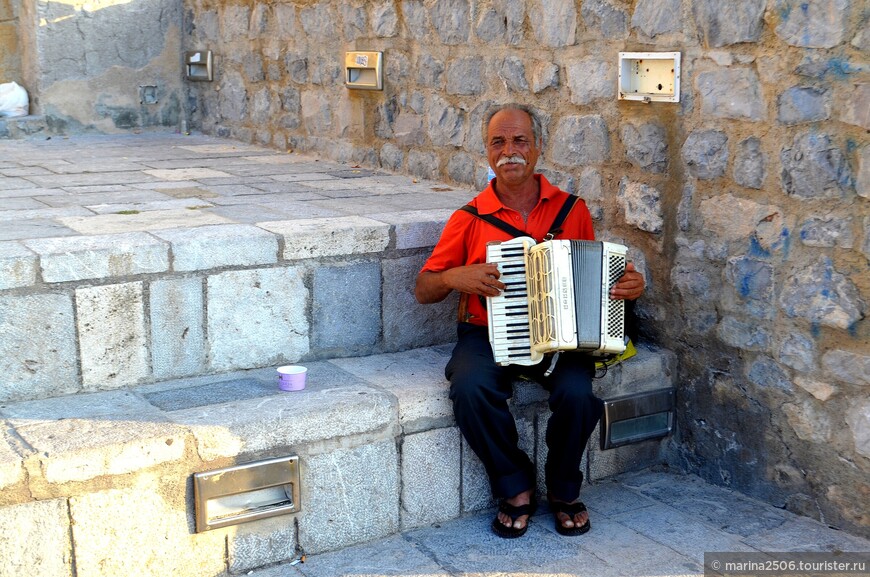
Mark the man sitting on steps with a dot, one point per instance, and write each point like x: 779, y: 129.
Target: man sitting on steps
x: 479, y: 388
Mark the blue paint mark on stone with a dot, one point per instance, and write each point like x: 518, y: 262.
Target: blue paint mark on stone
x: 755, y: 248
x: 815, y: 330
x: 840, y: 67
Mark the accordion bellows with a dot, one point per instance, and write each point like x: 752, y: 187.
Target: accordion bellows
x: 557, y: 298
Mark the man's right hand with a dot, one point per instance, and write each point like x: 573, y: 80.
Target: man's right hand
x: 478, y: 279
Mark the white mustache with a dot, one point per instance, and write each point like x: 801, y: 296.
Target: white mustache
x: 510, y: 159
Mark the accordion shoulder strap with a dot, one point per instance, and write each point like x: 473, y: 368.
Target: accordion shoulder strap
x: 555, y: 228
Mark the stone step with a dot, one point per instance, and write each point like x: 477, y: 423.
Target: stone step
x: 24, y: 127
x: 379, y: 453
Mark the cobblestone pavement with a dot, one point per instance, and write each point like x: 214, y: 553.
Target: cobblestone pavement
x: 647, y: 524
x: 89, y: 185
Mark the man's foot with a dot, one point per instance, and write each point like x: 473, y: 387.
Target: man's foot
x: 513, y: 515
x: 571, y: 518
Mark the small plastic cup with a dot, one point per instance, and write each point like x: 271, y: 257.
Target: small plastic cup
x: 291, y: 377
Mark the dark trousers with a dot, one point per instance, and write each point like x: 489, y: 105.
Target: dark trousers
x: 480, y: 389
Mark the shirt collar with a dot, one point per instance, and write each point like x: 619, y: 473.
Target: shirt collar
x: 488, y: 202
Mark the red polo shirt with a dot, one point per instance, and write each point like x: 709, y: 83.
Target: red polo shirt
x: 464, y: 238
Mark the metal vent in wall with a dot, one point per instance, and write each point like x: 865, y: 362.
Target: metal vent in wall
x: 637, y: 417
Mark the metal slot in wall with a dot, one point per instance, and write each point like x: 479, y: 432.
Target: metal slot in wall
x: 246, y: 492
x: 638, y: 417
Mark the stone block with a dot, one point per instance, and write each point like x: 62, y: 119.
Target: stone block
x: 109, y: 255
x: 407, y: 323
x: 429, y: 70
x: 862, y: 179
x: 849, y: 367
x: 604, y: 464
x: 349, y: 496
x: 157, y: 540
x: 798, y: 352
x: 112, y: 337
x: 476, y: 492
x: 38, y: 356
x: 339, y: 236
x: 729, y: 23
x: 207, y: 247
x: 35, y: 540
x: 544, y: 75
x: 746, y: 336
x: 820, y: 294
x: 416, y: 228
x: 466, y: 76
x: 78, y: 449
x: 813, y: 167
x: 655, y: 17
x: 18, y: 266
x: 641, y: 204
x: 580, y: 140
x: 705, y: 152
x: 858, y: 419
x: 855, y: 110
x: 813, y: 23
x: 590, y: 79
x: 446, y: 126
x: 766, y: 373
x: 609, y: 20
x: 430, y: 477
x: 801, y: 104
x: 452, y: 20
x: 333, y: 404
x: 340, y: 319
x: 554, y: 23
x: 462, y: 167
x: 732, y: 93
x: 646, y: 146
x: 415, y: 378
x: 259, y: 543
x: 256, y: 318
x: 424, y: 164
x: 177, y: 335
x: 11, y: 469
x: 750, y: 164
x: 513, y: 74
x: 103, y: 224
x: 830, y: 231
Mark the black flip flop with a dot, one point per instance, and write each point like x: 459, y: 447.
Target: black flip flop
x: 514, y: 512
x: 569, y: 509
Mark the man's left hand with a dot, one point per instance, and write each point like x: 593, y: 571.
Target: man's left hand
x: 630, y: 285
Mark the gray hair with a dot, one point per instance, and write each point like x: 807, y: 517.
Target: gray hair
x: 537, y: 128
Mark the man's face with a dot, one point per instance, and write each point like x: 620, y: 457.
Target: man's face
x: 510, y: 143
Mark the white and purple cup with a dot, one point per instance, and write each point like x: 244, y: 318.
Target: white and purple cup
x: 291, y: 377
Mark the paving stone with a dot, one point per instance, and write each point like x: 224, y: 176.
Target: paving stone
x: 111, y: 541
x: 35, y: 539
x: 806, y: 535
x: 393, y: 556
x: 97, y: 257
x: 11, y: 469
x: 44, y: 213
x: 267, y: 327
x: 349, y: 496
x: 112, y: 338
x: 430, y: 477
x: 333, y: 404
x: 18, y: 266
x: 34, y: 228
x: 312, y: 238
x: 38, y: 355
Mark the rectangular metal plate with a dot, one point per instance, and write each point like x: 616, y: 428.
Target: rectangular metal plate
x: 246, y: 492
x: 637, y: 417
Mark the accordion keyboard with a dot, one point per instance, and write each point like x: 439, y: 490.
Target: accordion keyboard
x: 508, y: 313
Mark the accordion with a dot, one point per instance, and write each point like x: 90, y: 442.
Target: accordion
x: 556, y: 298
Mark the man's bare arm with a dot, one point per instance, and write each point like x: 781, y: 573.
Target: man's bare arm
x: 479, y: 279
x: 630, y: 285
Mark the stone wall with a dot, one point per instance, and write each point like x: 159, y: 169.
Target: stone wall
x: 747, y: 203
x: 85, y: 64
x: 10, y: 59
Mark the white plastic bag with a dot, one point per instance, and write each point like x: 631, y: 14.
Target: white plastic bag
x: 13, y: 100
